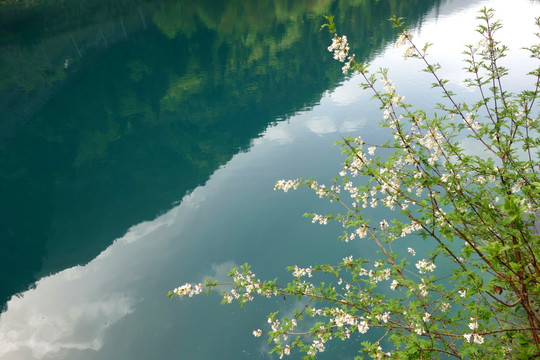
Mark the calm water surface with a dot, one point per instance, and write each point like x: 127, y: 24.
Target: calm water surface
x: 139, y: 146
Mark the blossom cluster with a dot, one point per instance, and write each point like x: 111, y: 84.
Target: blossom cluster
x: 341, y: 48
x: 323, y: 220
x: 188, y: 289
x: 285, y: 185
x: 299, y: 272
x: 317, y: 345
x: 402, y: 39
x: 478, y: 339
x: 247, y: 282
x: 422, y: 287
x: 425, y: 266
x: 342, y: 318
x: 320, y: 190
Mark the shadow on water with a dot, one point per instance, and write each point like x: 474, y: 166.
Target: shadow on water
x: 112, y: 112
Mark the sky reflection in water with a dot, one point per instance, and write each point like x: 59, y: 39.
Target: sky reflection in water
x: 89, y: 312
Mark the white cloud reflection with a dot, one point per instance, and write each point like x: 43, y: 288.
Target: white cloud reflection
x: 347, y: 93
x: 74, y: 308
x: 322, y: 125
x: 350, y: 125
x: 47, y: 320
x: 278, y: 134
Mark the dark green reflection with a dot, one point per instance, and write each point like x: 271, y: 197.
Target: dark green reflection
x: 112, y: 112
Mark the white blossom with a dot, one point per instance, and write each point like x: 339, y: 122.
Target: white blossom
x: 188, y: 289
x: 317, y: 345
x: 379, y: 275
x: 409, y: 229
x: 482, y: 43
x: 424, y: 266
x: 347, y: 65
x: 409, y: 52
x: 340, y: 47
x: 445, y: 306
x: 517, y: 186
x: 383, y: 317
x: 363, y: 327
x: 478, y: 339
x: 286, y: 185
x: 423, y: 288
x: 299, y: 272
x: 396, y: 100
x: 362, y: 231
x: 321, y: 219
x: 386, y: 113
x: 342, y: 318
x: 319, y: 189
x: 287, y: 350
x: 379, y: 354
x: 402, y: 39
x: 388, y: 86
x: 274, y: 324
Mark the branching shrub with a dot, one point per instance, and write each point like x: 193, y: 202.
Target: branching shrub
x: 479, y: 211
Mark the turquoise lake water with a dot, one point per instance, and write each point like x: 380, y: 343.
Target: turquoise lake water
x: 140, y: 143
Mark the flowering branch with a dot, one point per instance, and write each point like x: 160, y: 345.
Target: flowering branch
x: 479, y: 212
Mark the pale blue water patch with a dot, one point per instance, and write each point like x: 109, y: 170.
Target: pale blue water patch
x: 236, y: 217
x: 106, y: 308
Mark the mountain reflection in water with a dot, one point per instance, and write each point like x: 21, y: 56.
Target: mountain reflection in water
x: 150, y: 159
x: 112, y: 112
